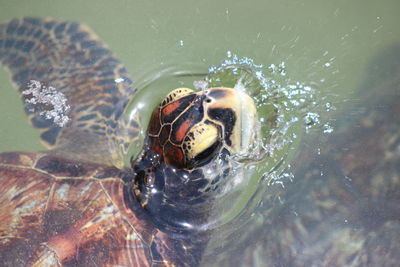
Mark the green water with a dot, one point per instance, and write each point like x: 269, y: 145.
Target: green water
x: 326, y: 45
x: 149, y: 36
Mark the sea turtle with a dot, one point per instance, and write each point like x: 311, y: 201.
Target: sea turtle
x: 74, y: 205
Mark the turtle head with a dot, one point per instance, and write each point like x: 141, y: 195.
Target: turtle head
x: 190, y: 139
x: 189, y: 129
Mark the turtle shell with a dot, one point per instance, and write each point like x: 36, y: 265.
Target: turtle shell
x: 52, y: 206
x: 60, y: 212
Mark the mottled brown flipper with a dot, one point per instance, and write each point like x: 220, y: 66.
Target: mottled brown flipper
x: 70, y: 58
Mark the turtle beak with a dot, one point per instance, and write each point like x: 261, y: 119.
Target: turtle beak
x: 237, y: 113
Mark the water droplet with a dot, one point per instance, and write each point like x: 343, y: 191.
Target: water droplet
x: 327, y: 128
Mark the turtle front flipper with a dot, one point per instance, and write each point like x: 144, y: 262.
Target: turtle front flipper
x: 70, y: 60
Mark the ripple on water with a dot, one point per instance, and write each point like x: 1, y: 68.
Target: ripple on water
x: 287, y: 110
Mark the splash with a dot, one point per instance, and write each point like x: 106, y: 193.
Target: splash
x: 48, y: 101
x: 287, y: 110
x: 284, y: 108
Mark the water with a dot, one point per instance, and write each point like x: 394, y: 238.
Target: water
x: 321, y: 50
x: 304, y: 35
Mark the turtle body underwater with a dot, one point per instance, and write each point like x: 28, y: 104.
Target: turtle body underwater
x: 73, y: 205
x: 342, y: 207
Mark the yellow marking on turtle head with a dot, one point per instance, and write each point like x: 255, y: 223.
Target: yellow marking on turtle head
x: 204, y: 136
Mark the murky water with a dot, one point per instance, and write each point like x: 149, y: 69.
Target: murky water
x: 304, y: 62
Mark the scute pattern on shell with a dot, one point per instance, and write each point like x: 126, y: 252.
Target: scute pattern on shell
x: 54, y: 216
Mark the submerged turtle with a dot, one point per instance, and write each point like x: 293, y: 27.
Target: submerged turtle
x: 74, y: 205
x: 343, y: 206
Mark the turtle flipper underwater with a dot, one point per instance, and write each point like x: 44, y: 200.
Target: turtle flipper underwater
x: 72, y: 205
x: 69, y: 57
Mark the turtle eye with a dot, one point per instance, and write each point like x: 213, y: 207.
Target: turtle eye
x: 201, y: 143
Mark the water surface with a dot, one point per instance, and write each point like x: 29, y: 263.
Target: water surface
x: 329, y: 47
